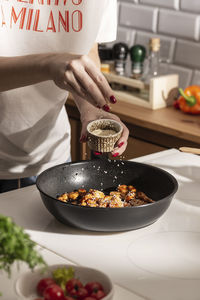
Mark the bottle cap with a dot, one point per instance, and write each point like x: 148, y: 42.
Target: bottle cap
x: 154, y: 44
x: 137, y: 53
x: 120, y: 51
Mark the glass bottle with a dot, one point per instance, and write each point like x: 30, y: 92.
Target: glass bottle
x: 120, y: 52
x: 153, y: 60
x: 138, y: 54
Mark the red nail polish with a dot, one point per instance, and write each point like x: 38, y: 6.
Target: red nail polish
x: 106, y: 107
x: 83, y: 139
x: 121, y: 144
x: 97, y: 153
x: 115, y: 155
x: 113, y: 99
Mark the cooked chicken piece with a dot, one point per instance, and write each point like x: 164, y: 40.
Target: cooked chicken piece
x: 73, y: 195
x: 107, y: 198
x: 116, y: 203
x: 131, y: 188
x: 127, y: 204
x: 82, y: 192
x: 144, y: 197
x: 90, y: 202
x: 104, y: 202
x: 137, y: 202
x: 63, y: 197
x: 123, y: 189
x: 131, y: 195
x: 96, y: 193
x: 87, y: 197
x: 115, y: 193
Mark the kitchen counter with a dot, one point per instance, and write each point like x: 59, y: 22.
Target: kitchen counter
x: 157, y: 262
x: 150, y: 130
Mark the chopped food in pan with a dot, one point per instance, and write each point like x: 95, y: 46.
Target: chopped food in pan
x: 124, y: 196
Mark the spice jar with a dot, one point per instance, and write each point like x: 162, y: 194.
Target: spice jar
x: 138, y: 54
x: 120, y: 52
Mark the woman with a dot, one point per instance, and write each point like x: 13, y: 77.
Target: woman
x: 49, y: 47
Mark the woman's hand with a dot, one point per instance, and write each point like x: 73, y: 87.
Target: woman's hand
x: 80, y: 76
x: 94, y: 114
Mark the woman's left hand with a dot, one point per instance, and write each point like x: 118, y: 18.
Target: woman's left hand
x: 94, y: 114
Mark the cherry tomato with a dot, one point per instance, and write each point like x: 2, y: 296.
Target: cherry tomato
x: 98, y: 295
x: 68, y: 298
x: 79, y: 293
x: 73, y: 284
x: 89, y: 298
x: 176, y: 104
x: 93, y: 286
x: 43, y: 284
x: 38, y: 299
x: 53, y: 292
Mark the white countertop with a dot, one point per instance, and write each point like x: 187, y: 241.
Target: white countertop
x: 158, y: 262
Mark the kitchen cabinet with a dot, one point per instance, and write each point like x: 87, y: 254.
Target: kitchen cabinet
x: 150, y: 131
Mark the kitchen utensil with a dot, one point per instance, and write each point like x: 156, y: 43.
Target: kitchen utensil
x: 190, y: 150
x: 103, y: 143
x: 106, y: 175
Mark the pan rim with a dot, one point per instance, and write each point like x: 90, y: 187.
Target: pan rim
x: 170, y: 176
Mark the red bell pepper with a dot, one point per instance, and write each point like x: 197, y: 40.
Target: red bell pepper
x: 189, y: 101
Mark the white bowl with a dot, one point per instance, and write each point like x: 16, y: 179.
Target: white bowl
x: 26, y: 283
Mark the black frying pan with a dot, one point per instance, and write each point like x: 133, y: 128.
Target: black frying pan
x: 107, y: 175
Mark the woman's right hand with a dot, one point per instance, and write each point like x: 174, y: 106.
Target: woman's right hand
x: 80, y: 76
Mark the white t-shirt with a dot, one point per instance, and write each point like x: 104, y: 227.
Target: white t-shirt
x: 34, y: 127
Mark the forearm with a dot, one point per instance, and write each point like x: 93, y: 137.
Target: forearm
x: 26, y: 70
x: 22, y: 71
x: 84, y: 106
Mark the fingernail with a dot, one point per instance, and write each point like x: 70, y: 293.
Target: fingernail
x: 116, y: 154
x: 97, y: 153
x: 121, y: 144
x: 83, y: 139
x: 113, y: 99
x: 106, y: 107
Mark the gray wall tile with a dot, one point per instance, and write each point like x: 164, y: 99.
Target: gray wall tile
x: 179, y: 24
x: 124, y: 35
x: 175, y: 22
x: 196, y: 78
x: 185, y: 74
x: 167, y: 44
x: 162, y: 3
x: 140, y: 17
x: 190, y: 5
x: 187, y: 54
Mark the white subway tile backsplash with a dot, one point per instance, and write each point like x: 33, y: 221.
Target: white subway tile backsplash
x: 187, y: 54
x: 196, y: 78
x: 162, y: 3
x: 167, y: 44
x: 175, y: 22
x: 185, y: 75
x: 178, y: 24
x: 138, y: 17
x: 190, y: 5
x: 124, y: 35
